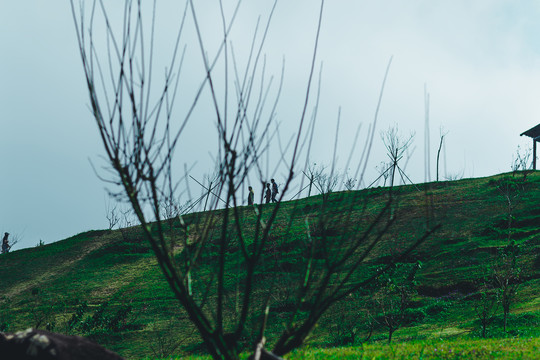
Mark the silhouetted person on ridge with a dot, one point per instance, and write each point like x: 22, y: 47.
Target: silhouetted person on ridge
x: 251, y: 196
x: 268, y: 193
x: 274, y: 190
x: 5, y: 243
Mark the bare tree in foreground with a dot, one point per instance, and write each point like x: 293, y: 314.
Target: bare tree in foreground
x: 245, y: 247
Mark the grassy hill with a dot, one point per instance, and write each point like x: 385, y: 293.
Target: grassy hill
x: 107, y: 285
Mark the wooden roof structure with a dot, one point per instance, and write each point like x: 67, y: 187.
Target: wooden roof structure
x: 533, y: 133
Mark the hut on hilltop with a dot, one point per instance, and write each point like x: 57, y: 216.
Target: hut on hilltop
x: 533, y: 133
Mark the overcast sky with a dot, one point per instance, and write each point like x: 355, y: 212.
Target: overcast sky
x: 478, y: 59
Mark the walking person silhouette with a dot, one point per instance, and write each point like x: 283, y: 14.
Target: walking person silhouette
x: 275, y: 190
x: 268, y: 193
x: 251, y: 196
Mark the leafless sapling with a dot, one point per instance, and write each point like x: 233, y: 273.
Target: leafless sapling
x: 349, y: 183
x: 442, y: 137
x: 393, y: 296
x: 112, y: 214
x: 512, y: 191
x: 522, y: 162
x: 325, y: 182
x: 396, y: 147
x: 507, y: 277
x: 139, y: 133
x: 486, y: 306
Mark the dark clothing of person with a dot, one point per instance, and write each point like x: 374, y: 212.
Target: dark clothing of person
x: 274, y: 192
x: 268, y: 194
x: 251, y: 197
x: 5, y: 244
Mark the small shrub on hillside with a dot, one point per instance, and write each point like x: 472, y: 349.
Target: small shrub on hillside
x: 536, y: 264
x: 523, y: 325
x: 437, y: 307
x: 485, y: 307
x: 413, y: 316
x: 347, y: 324
x: 77, y: 317
x: 164, y: 338
x: 103, y: 319
x: 4, y: 326
x: 392, y: 300
x: 43, y: 309
x: 5, y: 321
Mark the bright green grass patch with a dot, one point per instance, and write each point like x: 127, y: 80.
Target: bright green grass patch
x: 510, y: 349
x: 464, y: 349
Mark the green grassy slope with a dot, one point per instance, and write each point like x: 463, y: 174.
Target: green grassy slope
x: 109, y: 280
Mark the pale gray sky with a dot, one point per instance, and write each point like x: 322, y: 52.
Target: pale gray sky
x: 479, y: 59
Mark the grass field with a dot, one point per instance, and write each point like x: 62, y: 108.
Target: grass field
x: 106, y: 284
x: 504, y: 349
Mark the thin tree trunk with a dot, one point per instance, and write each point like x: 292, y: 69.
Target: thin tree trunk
x: 439, y: 155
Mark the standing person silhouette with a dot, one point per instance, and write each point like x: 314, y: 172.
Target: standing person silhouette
x: 5, y: 243
x: 274, y: 190
x: 251, y: 196
x: 268, y: 193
